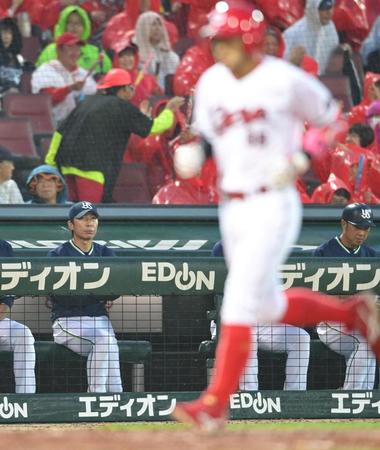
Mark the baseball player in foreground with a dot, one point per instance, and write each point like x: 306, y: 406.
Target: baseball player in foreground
x: 81, y: 323
x: 17, y: 338
x: 356, y: 222
x: 251, y: 109
x: 280, y: 338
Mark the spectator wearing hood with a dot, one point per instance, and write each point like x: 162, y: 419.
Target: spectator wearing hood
x: 195, y: 61
x: 347, y: 168
x: 11, y: 61
x: 370, y: 93
x: 127, y: 58
x: 335, y: 192
x: 274, y: 45
x: 370, y: 50
x: 62, y: 79
x: 314, y: 35
x: 373, y: 119
x: 75, y: 19
x: 9, y: 191
x: 47, y: 186
x: 156, y: 54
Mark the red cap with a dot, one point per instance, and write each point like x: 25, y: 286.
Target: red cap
x: 114, y: 78
x: 68, y: 39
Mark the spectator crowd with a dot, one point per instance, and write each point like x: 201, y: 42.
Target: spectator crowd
x: 66, y: 49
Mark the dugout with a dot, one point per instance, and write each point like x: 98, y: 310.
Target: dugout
x: 174, y: 324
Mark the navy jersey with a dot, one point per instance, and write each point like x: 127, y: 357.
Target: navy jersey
x: 335, y: 248
x: 6, y: 250
x: 218, y: 249
x: 79, y: 305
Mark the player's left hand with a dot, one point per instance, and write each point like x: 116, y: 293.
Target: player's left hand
x: 286, y: 170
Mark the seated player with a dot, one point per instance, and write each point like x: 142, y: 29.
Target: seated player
x: 81, y: 323
x: 17, y: 338
x: 357, y: 219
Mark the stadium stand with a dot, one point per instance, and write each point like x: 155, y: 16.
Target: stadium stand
x: 37, y: 108
x: 132, y: 184
x: 17, y: 135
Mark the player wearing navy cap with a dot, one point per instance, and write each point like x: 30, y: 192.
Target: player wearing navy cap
x: 81, y: 323
x: 356, y: 222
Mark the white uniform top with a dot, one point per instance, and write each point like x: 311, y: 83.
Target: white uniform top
x: 54, y: 74
x: 258, y: 120
x: 10, y: 193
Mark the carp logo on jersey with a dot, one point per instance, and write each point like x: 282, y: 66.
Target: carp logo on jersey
x: 224, y: 119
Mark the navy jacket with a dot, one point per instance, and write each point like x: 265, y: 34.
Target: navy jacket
x: 334, y: 248
x: 79, y: 305
x: 6, y: 250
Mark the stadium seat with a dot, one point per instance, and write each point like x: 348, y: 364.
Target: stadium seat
x: 36, y: 107
x: 132, y: 184
x: 31, y: 48
x: 339, y: 86
x: 26, y: 83
x: 17, y: 136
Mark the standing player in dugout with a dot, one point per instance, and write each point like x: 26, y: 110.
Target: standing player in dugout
x: 251, y: 109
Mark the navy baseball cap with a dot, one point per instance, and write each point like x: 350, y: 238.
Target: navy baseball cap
x: 80, y: 209
x: 358, y: 214
x: 326, y: 4
x: 6, y: 155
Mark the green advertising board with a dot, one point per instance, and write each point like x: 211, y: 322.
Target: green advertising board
x: 157, y: 275
x: 158, y: 406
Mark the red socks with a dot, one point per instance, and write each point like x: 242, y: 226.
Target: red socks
x: 231, y: 357
x: 306, y: 307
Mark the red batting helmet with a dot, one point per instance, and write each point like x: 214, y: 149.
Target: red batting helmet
x: 236, y: 18
x: 114, y: 78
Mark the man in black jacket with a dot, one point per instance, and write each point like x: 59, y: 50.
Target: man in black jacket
x: 89, y: 146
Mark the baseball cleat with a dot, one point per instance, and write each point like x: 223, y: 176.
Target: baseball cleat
x: 367, y: 319
x: 200, y: 416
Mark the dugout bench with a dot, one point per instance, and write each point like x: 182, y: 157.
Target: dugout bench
x: 326, y: 368
x: 59, y: 369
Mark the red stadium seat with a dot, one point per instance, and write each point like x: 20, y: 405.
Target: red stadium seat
x: 132, y: 184
x: 36, y: 107
x: 17, y: 136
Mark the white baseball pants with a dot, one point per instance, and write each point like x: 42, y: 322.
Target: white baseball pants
x: 17, y: 338
x: 94, y: 338
x: 281, y: 339
x: 360, y: 361
x: 257, y: 234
